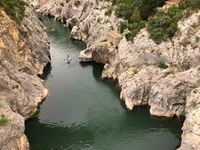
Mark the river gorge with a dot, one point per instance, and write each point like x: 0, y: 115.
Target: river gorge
x: 133, y: 82
x: 84, y: 112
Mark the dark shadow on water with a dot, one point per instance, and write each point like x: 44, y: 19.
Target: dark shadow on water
x: 46, y: 71
x: 78, y: 43
x: 97, y: 69
x: 57, y: 136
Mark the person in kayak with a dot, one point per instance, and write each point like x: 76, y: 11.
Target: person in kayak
x: 68, y: 59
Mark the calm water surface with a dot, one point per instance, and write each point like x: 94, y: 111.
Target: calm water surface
x: 83, y: 112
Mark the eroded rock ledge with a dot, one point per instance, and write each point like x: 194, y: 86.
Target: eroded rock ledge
x: 24, y: 52
x: 136, y: 64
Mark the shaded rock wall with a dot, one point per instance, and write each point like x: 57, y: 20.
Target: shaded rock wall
x: 24, y: 52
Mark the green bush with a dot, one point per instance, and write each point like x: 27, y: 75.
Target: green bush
x: 194, y: 104
x: 135, y: 27
x: 109, y: 11
x: 136, y: 12
x: 122, y: 26
x: 148, y: 7
x: 3, y: 120
x: 185, y: 64
x: 125, y: 8
x: 163, y: 25
x: 14, y: 8
x: 190, y: 4
x: 161, y: 63
x: 136, y: 17
x: 129, y: 36
x: 99, y: 20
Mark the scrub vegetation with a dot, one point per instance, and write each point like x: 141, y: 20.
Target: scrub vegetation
x: 160, y: 23
x: 14, y: 8
x: 163, y: 25
x: 3, y: 120
x: 136, y: 14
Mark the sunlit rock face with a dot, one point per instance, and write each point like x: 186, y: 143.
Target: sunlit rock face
x: 191, y: 132
x: 24, y: 52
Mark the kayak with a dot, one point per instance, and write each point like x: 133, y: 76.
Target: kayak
x: 68, y: 60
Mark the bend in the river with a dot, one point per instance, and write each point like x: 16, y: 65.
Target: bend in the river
x: 83, y: 112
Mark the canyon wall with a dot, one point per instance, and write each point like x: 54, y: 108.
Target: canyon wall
x: 24, y: 52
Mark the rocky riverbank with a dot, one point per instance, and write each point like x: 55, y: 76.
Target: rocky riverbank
x: 164, y: 76
x: 24, y: 52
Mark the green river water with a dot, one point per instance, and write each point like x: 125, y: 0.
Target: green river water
x: 84, y: 112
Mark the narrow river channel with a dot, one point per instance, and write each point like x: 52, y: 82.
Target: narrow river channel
x: 84, y: 112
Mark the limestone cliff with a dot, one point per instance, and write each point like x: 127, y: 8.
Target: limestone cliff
x: 137, y: 64
x: 24, y: 52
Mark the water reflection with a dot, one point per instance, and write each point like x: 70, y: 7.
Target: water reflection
x: 129, y: 131
x: 58, y: 136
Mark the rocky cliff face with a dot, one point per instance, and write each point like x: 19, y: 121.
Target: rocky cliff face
x: 24, y: 52
x: 138, y: 64
x: 191, y: 127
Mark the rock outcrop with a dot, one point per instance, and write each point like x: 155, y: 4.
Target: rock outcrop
x: 138, y: 64
x: 24, y: 53
x: 191, y: 132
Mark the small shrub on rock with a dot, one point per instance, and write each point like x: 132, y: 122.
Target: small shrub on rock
x: 108, y: 12
x: 161, y: 63
x: 3, y: 120
x: 122, y: 26
x: 185, y: 64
